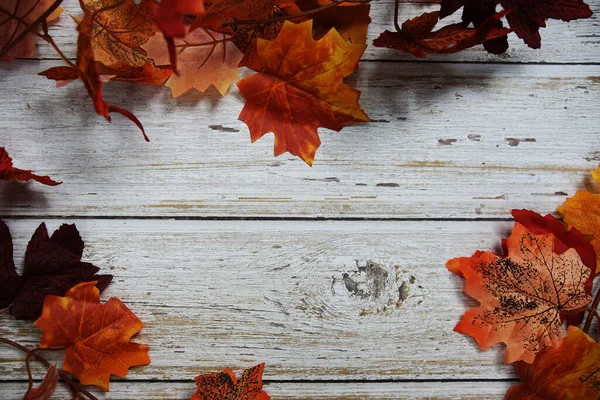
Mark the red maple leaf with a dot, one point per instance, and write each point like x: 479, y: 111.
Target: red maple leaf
x: 8, y: 172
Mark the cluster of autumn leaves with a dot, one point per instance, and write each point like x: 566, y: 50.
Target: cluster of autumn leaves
x: 62, y: 294
x: 543, y: 277
x: 300, y: 50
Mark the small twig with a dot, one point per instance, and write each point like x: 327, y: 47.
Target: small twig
x: 396, y: 24
x: 288, y: 17
x: 592, y: 312
x: 4, y: 310
x: 46, y: 37
x: 29, y: 28
x: 74, y: 385
x: 27, y: 360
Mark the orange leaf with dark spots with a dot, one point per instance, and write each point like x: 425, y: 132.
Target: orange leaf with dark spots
x: 245, y: 36
x: 86, y: 69
x: 8, y: 172
x: 570, y: 372
x: 96, y: 336
x: 301, y: 88
x: 582, y: 212
x: 522, y: 295
x: 120, y: 28
x: 418, y: 38
x: 224, y: 385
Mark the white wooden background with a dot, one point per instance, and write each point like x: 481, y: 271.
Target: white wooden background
x: 231, y: 256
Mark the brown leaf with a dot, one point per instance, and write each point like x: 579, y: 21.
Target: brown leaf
x: 418, y: 38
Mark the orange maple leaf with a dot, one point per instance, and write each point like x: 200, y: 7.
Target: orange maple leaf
x: 97, y: 336
x: 567, y: 373
x: 418, y: 38
x: 582, y: 212
x: 16, y: 16
x: 522, y: 295
x: 121, y: 27
x: 204, y: 58
x: 224, y: 386
x: 300, y: 88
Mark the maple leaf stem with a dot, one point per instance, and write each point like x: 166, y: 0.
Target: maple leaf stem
x: 334, y: 3
x: 29, y: 28
x: 396, y: 24
x: 592, y: 312
x: 28, y: 358
x: 48, y: 39
x: 32, y: 353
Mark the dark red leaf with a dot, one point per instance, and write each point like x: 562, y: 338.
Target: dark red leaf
x: 52, y: 266
x: 418, y: 38
x: 530, y: 15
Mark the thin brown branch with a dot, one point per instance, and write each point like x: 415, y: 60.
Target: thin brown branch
x: 590, y: 317
x: 334, y: 3
x: 30, y: 28
x: 74, y: 385
x: 48, y: 39
x: 4, y: 310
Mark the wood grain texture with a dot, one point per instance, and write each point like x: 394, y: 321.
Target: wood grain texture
x: 298, y: 391
x: 446, y: 141
x: 574, y: 42
x: 214, y: 294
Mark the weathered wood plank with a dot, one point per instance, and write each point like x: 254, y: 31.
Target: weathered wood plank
x: 574, y: 42
x: 234, y: 293
x: 448, y: 140
x: 297, y: 391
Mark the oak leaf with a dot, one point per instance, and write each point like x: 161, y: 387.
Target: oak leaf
x: 418, y: 38
x: 16, y: 16
x: 300, y: 88
x: 52, y: 266
x: 204, y: 58
x: 571, y: 371
x: 582, y: 212
x: 522, y: 295
x: 8, y: 172
x: 45, y: 390
x: 86, y: 70
x: 96, y: 336
x: 227, y: 16
x: 224, y: 385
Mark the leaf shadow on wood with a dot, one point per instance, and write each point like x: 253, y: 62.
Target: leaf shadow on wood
x: 588, y: 184
x: 387, y: 94
x: 22, y: 195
